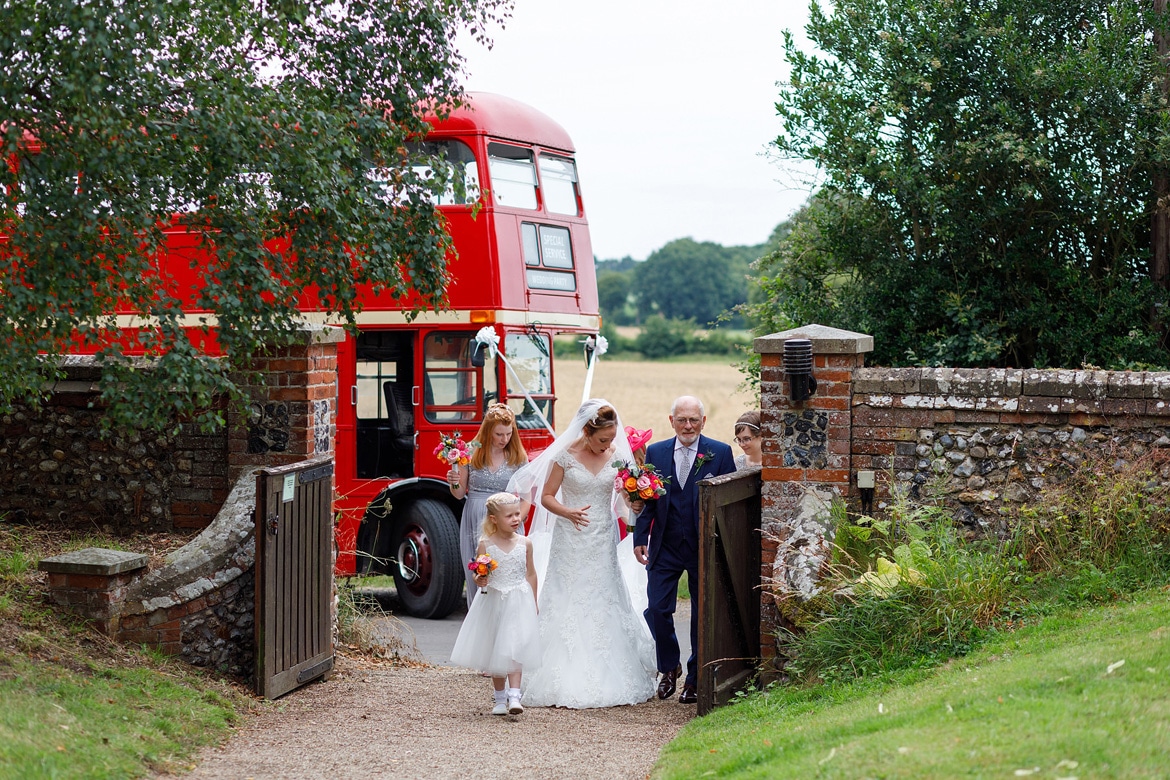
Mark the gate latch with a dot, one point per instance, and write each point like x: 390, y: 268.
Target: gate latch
x: 273, y: 522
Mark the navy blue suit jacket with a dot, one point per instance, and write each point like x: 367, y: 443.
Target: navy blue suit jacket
x: 653, y: 524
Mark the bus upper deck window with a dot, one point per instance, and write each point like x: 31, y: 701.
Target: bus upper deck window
x: 558, y: 181
x: 462, y: 187
x: 513, y: 176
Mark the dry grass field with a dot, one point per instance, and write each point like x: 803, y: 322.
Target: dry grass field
x: 643, y: 391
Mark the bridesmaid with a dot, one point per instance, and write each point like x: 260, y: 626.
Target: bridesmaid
x: 747, y: 436
x: 498, y: 455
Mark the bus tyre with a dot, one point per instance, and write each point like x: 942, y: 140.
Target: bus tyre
x: 427, y: 570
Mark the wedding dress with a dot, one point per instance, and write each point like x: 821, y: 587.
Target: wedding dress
x: 597, y: 649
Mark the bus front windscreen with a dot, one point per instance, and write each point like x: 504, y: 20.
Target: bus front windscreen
x: 529, y: 358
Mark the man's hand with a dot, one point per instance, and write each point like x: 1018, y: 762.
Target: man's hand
x: 640, y: 554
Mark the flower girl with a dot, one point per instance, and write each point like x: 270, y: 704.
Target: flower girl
x: 500, y: 635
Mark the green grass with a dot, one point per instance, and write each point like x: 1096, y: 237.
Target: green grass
x: 77, y: 705
x: 101, y: 722
x: 1041, y: 700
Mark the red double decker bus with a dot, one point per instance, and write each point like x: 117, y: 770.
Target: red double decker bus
x: 525, y: 269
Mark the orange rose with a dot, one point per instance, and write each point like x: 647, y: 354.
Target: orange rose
x: 631, y: 484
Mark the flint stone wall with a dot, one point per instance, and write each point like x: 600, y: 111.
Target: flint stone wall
x: 993, y: 440
x: 57, y: 469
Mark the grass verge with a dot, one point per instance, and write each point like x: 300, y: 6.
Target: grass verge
x: 1081, y: 693
x: 77, y: 705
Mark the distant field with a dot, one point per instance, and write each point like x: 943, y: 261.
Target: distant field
x: 642, y: 392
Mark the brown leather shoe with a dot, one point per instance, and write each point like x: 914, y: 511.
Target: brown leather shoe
x: 666, y: 685
x: 688, y: 695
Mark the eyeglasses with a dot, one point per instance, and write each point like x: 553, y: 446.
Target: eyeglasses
x: 744, y: 440
x: 688, y: 420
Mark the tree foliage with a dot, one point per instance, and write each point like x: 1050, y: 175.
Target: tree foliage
x: 987, y: 173
x: 613, y: 294
x: 687, y: 279
x: 274, y: 131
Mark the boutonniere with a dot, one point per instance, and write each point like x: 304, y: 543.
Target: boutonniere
x: 701, y: 459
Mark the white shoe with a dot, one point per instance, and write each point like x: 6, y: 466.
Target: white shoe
x: 514, y: 707
x: 501, y: 708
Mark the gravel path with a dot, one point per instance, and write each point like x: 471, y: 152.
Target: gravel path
x: 434, y: 722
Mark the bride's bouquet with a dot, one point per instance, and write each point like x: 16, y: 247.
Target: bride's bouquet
x: 482, y: 565
x: 640, y: 483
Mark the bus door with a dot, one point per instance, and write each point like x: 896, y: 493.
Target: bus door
x: 458, y: 383
x: 385, y: 426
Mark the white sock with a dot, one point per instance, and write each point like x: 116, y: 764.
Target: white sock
x: 501, y: 696
x: 514, y: 693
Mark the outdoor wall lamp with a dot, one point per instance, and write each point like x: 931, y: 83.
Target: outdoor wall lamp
x: 798, y: 362
x: 865, y: 484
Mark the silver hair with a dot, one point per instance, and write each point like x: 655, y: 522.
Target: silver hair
x: 674, y: 406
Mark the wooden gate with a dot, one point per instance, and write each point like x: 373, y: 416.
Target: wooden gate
x: 294, y: 575
x: 729, y: 594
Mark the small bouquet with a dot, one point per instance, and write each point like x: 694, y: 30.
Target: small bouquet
x: 454, y: 451
x: 640, y: 483
x: 482, y: 565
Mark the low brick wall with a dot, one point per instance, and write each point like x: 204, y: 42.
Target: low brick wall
x: 199, y: 605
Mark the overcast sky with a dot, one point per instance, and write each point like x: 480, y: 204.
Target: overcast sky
x: 671, y: 105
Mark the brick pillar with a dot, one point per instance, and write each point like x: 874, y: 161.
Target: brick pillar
x: 806, y: 464
x: 293, y: 411
x: 92, y: 583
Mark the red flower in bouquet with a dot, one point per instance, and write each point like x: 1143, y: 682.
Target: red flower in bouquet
x: 640, y: 483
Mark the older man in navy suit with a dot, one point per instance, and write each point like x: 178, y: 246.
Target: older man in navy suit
x: 666, y: 537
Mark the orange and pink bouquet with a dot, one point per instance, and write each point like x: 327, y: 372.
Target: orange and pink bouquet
x: 482, y: 565
x: 640, y: 483
x: 454, y: 450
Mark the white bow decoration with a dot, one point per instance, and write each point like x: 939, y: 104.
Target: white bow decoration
x: 595, y: 347
x: 488, y: 337
x: 600, y: 345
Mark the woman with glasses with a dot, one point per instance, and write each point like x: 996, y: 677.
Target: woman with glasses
x: 747, y: 436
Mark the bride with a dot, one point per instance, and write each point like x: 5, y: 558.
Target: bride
x: 597, y: 651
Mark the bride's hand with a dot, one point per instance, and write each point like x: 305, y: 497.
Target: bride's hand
x: 579, y: 517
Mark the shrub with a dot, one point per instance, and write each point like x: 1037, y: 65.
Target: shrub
x: 1104, y: 530
x: 662, y: 338
x: 905, y: 591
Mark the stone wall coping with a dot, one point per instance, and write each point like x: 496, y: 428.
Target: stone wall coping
x: 825, y: 341
x: 1010, y: 383
x: 310, y: 333
x: 93, y: 560
x: 220, y: 553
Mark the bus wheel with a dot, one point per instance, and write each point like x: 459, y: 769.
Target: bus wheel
x: 427, y: 570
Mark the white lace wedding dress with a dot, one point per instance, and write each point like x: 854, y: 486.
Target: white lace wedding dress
x: 597, y: 650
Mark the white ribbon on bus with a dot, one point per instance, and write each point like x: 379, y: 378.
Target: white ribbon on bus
x: 595, y: 347
x: 488, y: 337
